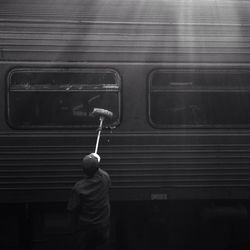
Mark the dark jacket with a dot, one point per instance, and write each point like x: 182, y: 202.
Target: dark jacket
x: 89, y: 200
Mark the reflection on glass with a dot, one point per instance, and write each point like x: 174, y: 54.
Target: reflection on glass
x: 200, y: 99
x: 59, y: 99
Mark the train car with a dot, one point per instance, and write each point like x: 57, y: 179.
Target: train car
x: 175, y: 74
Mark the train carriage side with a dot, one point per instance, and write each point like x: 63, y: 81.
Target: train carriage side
x: 176, y: 76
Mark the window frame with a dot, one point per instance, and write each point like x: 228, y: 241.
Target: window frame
x: 193, y: 69
x: 117, y: 86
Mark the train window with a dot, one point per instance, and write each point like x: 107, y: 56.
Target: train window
x: 199, y: 98
x: 61, y: 98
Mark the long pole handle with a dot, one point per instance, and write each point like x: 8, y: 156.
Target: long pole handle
x: 99, y: 134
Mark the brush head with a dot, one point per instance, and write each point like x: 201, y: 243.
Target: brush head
x: 97, y: 112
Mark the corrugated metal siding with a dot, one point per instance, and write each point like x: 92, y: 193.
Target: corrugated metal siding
x: 144, y: 31
x: 137, y: 169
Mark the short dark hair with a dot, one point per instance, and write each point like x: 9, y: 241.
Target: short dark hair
x: 90, y: 165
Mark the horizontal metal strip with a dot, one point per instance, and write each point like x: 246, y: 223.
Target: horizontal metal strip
x: 114, y: 12
x: 165, y: 177
x: 158, y: 157
x: 19, y: 145
x: 121, y: 36
x: 180, y: 168
x: 39, y: 178
x: 109, y: 165
x: 125, y: 22
x: 116, y: 148
x: 41, y: 171
x: 119, y: 148
x: 138, y: 176
x: 130, y: 181
x: 123, y: 188
x: 107, y: 9
x: 54, y: 182
x: 122, y: 21
x: 236, y: 181
x: 123, y: 30
x: 177, y: 46
x: 150, y: 11
x: 136, y: 187
x: 130, y: 3
x: 116, y: 180
x: 129, y: 161
x: 70, y: 140
x: 111, y: 5
x: 143, y: 52
x: 49, y: 169
x: 230, y: 186
x: 123, y: 58
x: 169, y: 33
x: 39, y: 158
x: 69, y: 16
x: 56, y: 30
x: 120, y: 153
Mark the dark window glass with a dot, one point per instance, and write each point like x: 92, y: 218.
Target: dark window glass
x: 54, y: 98
x: 199, y: 98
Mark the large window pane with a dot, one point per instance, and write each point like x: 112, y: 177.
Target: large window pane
x: 199, y: 98
x: 57, y: 98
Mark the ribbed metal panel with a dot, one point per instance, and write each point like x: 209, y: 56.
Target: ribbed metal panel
x: 51, y: 166
x: 125, y: 31
x: 118, y: 10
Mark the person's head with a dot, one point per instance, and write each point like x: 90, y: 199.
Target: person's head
x: 90, y: 164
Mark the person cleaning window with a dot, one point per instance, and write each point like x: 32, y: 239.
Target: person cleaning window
x: 89, y: 206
